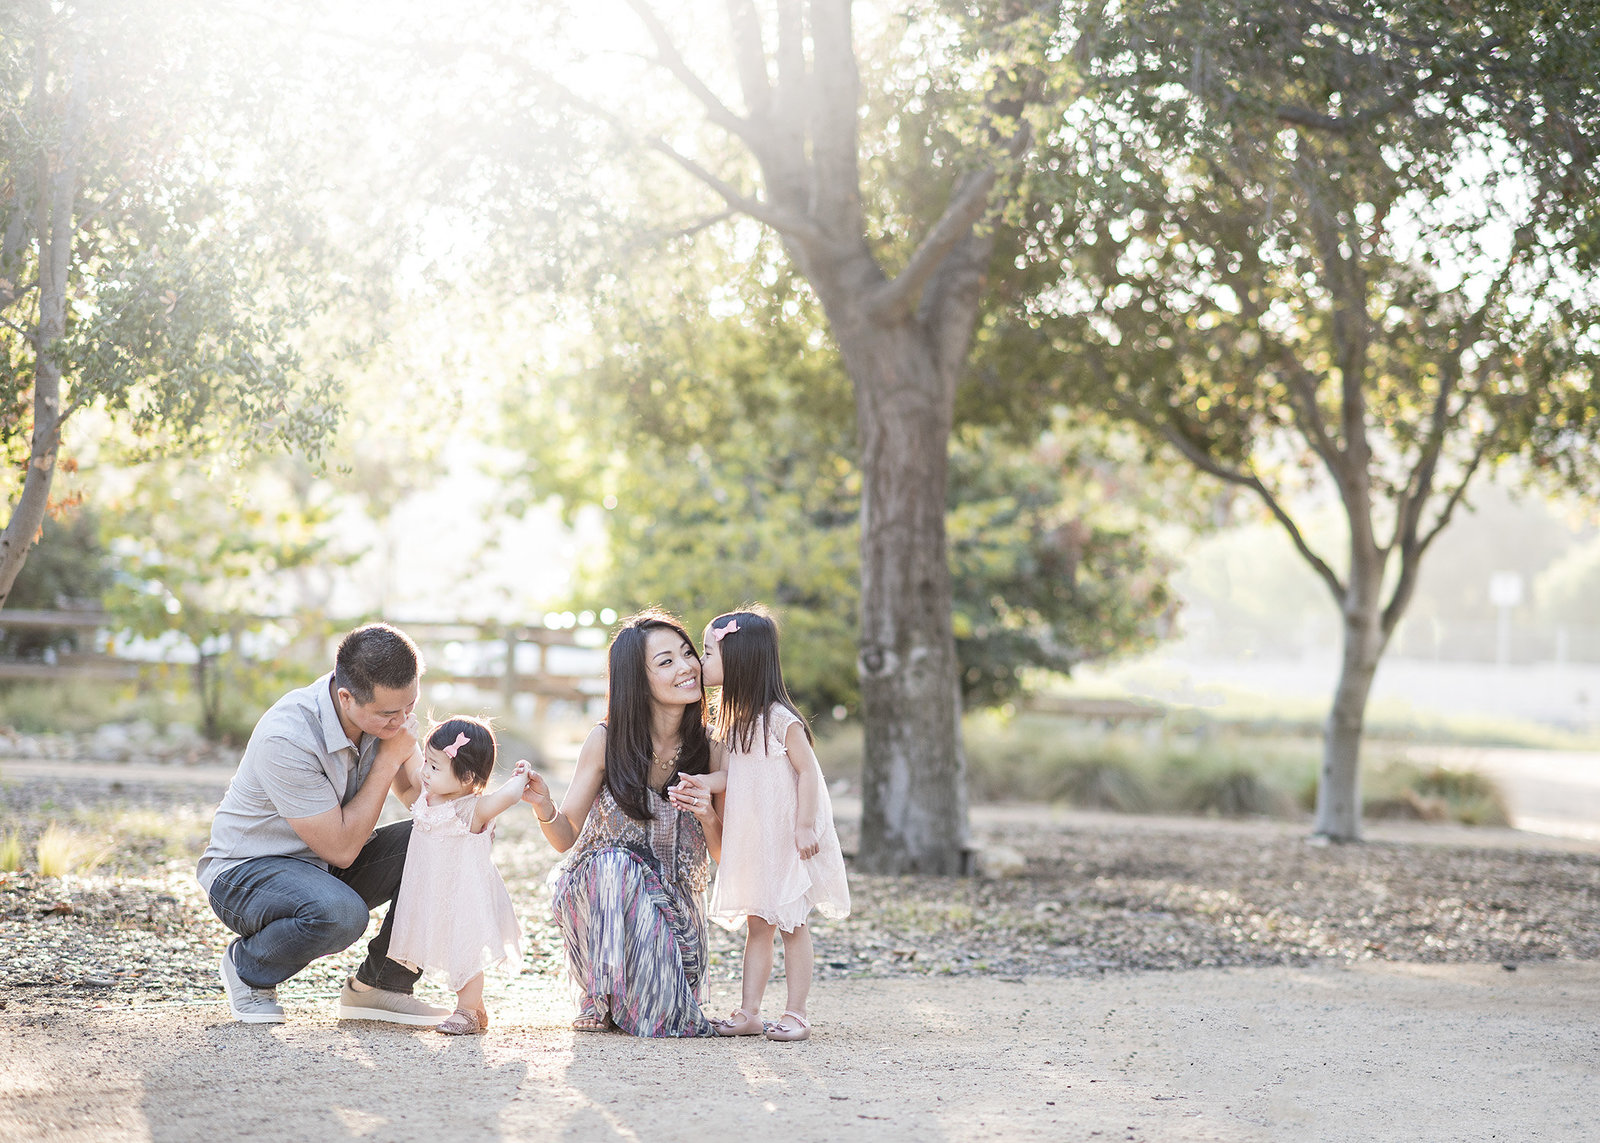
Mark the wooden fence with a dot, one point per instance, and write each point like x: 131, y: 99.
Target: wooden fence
x: 507, y: 678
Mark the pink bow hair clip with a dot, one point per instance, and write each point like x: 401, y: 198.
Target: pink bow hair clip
x: 718, y: 633
x: 450, y: 751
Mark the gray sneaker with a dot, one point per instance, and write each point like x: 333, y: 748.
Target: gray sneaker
x: 249, y: 1005
x: 395, y: 1007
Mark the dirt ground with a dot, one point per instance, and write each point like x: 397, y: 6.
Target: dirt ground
x: 1374, y: 1051
x: 1137, y: 979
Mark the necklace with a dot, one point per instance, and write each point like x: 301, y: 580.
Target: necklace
x: 664, y: 767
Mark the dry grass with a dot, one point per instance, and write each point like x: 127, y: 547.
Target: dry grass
x: 61, y: 852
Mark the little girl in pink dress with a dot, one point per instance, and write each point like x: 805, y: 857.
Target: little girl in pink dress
x: 453, y: 916
x: 780, y: 852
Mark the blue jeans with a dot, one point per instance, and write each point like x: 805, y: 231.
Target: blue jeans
x: 288, y: 912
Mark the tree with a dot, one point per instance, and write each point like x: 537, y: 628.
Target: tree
x: 719, y: 446
x: 895, y: 236
x: 1339, y: 238
x: 132, y: 277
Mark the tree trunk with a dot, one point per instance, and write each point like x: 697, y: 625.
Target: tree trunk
x: 1338, y: 815
x: 914, y: 812
x: 56, y: 189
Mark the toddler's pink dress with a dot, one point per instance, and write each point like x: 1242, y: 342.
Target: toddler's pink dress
x: 453, y: 916
x: 761, y: 873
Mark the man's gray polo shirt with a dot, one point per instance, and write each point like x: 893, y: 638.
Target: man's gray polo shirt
x: 299, y: 763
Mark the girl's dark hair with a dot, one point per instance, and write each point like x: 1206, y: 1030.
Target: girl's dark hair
x: 752, y: 676
x: 474, y: 762
x: 628, y: 745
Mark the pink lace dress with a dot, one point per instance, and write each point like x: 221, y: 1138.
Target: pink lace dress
x: 452, y: 916
x: 761, y: 873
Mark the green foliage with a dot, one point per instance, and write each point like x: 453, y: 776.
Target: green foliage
x: 1289, y: 218
x: 147, y: 253
x: 1051, y: 554
x: 84, y: 704
x: 718, y: 449
x: 205, y: 568
x: 69, y: 566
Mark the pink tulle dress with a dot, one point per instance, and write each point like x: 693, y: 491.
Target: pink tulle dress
x: 453, y: 916
x: 761, y: 873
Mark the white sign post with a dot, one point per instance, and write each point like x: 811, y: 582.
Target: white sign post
x: 1505, y: 592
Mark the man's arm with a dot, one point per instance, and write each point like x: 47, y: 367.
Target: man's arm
x: 337, y: 835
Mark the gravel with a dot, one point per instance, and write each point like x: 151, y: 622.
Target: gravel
x: 1087, y: 894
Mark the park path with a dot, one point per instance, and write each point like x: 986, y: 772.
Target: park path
x: 1378, y: 1051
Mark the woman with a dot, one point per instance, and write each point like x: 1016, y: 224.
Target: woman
x: 630, y: 900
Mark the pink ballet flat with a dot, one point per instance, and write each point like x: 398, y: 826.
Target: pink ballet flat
x: 783, y: 1032
x: 740, y: 1023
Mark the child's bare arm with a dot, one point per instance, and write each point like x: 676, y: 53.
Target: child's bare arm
x: 491, y: 806
x: 715, y: 782
x: 407, y: 784
x: 808, y: 776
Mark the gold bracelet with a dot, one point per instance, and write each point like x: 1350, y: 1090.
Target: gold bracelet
x: 548, y: 820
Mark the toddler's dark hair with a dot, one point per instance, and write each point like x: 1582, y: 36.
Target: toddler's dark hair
x: 752, y: 675
x: 474, y: 762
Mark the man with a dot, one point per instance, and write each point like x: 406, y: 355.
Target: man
x: 294, y: 865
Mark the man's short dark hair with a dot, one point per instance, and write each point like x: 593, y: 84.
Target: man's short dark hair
x: 376, y: 655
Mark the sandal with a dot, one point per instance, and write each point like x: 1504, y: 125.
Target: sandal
x: 742, y: 1022
x: 782, y: 1031
x: 461, y: 1022
x: 590, y: 1020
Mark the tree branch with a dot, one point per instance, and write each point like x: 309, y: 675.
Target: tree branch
x: 1411, y: 559
x: 1408, y: 513
x: 1197, y: 455
x: 28, y: 335
x: 791, y: 225
x: 960, y: 215
x: 750, y: 57
x: 668, y: 56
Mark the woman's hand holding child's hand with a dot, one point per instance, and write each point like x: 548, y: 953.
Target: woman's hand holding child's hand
x: 806, y: 841
x: 537, y: 794
x: 691, y: 794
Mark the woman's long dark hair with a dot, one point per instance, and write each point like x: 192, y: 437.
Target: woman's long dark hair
x: 752, y: 676
x: 628, y: 746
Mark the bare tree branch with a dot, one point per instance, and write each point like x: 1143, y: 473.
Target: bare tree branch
x: 1197, y: 455
x: 793, y: 226
x: 1203, y: 461
x: 670, y: 58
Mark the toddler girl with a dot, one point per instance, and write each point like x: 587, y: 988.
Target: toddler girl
x: 780, y: 854
x: 453, y: 915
